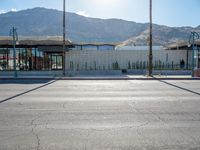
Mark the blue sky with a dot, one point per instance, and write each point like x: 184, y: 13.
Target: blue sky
x: 165, y: 12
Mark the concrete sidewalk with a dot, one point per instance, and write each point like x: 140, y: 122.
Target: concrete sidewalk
x: 105, y: 77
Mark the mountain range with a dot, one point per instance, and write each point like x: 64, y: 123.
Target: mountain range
x: 48, y: 22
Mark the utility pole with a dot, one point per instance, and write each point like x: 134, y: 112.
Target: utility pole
x: 150, y: 41
x: 63, y: 38
x: 194, y: 36
x: 13, y: 33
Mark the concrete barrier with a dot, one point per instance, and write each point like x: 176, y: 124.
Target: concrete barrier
x: 94, y: 72
x: 197, y: 73
x: 70, y: 73
x: 31, y: 73
x: 127, y: 72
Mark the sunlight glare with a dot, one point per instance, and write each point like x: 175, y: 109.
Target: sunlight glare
x: 106, y: 3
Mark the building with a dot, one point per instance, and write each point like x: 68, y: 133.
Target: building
x: 142, y: 48
x: 44, y: 56
x: 32, y: 54
x: 94, y: 46
x: 187, y: 46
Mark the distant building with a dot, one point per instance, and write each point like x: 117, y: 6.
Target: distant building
x: 144, y: 48
x: 94, y: 46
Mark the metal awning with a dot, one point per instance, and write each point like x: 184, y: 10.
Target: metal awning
x: 182, y: 45
x: 25, y: 42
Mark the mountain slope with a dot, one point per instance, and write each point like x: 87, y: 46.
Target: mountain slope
x: 40, y: 22
x: 162, y: 35
x: 48, y: 22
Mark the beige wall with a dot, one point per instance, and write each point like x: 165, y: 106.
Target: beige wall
x: 126, y: 59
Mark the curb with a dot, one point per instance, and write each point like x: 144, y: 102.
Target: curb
x: 95, y: 78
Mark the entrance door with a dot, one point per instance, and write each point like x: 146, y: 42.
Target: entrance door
x: 56, y: 62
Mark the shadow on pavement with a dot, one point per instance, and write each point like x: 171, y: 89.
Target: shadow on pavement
x: 25, y: 81
x: 47, y: 82
x: 193, y: 92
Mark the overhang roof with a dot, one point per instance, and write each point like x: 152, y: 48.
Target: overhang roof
x: 182, y: 45
x: 96, y: 44
x: 34, y: 41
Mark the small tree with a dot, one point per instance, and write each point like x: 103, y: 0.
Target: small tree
x: 95, y: 65
x: 77, y: 67
x: 86, y: 66
x: 144, y: 65
x: 137, y: 65
x: 129, y: 65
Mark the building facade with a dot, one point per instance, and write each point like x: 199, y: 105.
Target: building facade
x: 126, y: 59
x: 32, y: 54
x: 42, y: 55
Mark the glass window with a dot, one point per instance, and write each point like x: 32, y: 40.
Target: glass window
x: 10, y: 59
x: 3, y: 59
x: 56, y: 61
x: 39, y: 60
x: 30, y: 59
x: 22, y: 59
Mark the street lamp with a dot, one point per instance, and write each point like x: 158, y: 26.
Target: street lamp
x: 13, y: 33
x: 63, y: 38
x: 193, y: 36
x: 150, y: 40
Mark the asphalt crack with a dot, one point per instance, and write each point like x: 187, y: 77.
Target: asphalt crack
x: 193, y: 139
x: 139, y: 128
x: 157, y: 116
x: 34, y: 126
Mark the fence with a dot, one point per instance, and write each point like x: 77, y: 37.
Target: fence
x: 89, y: 60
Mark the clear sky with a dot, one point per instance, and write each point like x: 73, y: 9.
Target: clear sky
x: 165, y: 12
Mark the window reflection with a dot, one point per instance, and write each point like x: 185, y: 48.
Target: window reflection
x: 30, y: 59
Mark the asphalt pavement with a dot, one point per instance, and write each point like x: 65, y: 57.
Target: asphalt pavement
x: 51, y: 114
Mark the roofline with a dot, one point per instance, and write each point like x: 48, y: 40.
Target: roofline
x: 34, y: 42
x: 34, y: 46
x: 96, y: 44
x: 182, y: 45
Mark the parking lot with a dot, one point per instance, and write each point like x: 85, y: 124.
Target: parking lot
x: 99, y: 114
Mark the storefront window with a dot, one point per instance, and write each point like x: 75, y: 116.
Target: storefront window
x: 56, y: 61
x: 3, y: 59
x: 10, y: 59
x: 29, y: 59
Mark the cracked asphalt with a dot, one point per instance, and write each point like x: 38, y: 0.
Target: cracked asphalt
x: 99, y: 115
